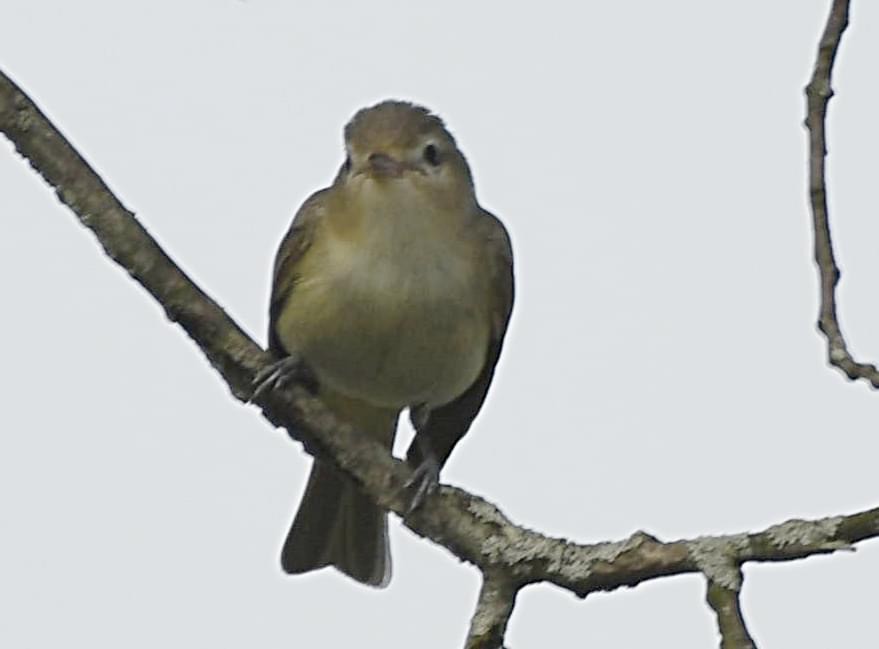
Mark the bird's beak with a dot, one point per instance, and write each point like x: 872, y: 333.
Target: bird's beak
x: 383, y: 165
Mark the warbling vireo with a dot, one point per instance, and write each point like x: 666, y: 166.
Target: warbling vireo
x: 392, y: 290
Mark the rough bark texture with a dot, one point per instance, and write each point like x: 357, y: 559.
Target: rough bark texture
x: 726, y: 604
x: 493, y: 610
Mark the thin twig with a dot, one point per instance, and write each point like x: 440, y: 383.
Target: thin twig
x: 818, y: 94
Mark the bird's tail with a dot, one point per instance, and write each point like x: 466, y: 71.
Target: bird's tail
x: 337, y: 525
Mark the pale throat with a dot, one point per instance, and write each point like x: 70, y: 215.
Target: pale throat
x: 399, y: 225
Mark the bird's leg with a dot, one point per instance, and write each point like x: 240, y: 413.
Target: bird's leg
x: 277, y: 375
x: 425, y: 477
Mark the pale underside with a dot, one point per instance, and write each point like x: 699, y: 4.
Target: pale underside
x: 398, y: 316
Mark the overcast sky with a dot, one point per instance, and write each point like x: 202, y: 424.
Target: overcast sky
x: 663, y: 371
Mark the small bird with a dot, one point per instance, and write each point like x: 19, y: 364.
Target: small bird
x: 392, y: 289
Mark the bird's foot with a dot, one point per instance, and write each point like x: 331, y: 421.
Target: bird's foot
x: 424, y: 481
x: 277, y: 375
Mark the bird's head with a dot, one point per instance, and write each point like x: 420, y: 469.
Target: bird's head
x: 397, y: 146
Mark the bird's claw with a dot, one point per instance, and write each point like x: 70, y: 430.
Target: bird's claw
x: 276, y: 375
x: 424, y: 481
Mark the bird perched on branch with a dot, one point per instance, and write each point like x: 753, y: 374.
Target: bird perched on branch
x: 392, y: 290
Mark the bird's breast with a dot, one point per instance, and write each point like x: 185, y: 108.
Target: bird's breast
x: 395, y: 318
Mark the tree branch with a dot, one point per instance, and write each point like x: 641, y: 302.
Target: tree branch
x: 493, y: 610
x: 476, y: 531
x: 818, y: 94
x: 728, y: 608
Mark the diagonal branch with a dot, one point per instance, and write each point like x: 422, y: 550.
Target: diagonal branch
x: 818, y: 94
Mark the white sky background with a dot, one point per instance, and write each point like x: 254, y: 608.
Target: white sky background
x: 663, y: 371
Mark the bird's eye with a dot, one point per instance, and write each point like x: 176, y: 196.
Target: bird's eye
x: 347, y: 165
x: 431, y: 154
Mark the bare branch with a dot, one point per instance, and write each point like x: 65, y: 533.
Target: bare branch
x: 728, y: 609
x: 493, y: 610
x: 818, y: 94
